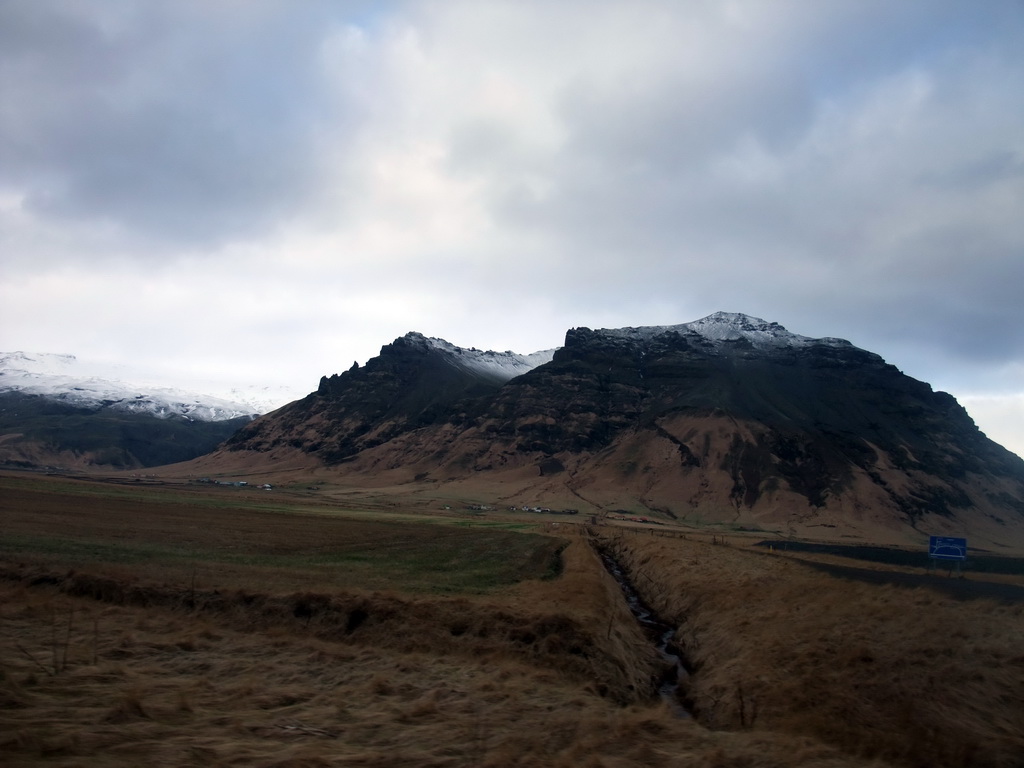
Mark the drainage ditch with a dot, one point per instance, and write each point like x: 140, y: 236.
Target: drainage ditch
x: 674, y: 680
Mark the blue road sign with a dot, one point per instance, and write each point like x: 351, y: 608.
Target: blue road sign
x: 947, y: 548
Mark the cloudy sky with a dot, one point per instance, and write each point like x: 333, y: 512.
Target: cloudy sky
x: 260, y: 190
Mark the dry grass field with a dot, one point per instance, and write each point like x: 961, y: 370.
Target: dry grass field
x: 176, y: 625
x: 908, y: 675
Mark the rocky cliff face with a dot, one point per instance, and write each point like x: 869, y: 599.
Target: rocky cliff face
x: 729, y: 418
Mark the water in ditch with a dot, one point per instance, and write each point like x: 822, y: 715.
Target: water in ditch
x: 674, y: 680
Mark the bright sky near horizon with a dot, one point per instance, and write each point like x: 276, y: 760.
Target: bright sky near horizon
x: 268, y: 190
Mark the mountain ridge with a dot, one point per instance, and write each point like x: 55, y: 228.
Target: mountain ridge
x: 729, y: 418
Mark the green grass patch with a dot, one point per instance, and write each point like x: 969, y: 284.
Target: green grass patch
x: 494, y: 524
x: 463, y: 561
x: 467, y: 565
x: 81, y: 552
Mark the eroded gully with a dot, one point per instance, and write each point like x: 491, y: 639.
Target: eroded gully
x: 675, y: 678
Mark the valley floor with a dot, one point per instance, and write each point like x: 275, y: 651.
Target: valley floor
x: 141, y: 626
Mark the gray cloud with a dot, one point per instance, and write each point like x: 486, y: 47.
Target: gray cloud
x: 495, y: 172
x: 179, y: 121
x: 887, y: 205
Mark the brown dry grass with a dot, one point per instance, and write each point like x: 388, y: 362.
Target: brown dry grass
x: 906, y: 675
x: 172, y: 661
x: 164, y: 687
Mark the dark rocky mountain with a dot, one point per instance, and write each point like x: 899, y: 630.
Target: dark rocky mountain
x: 414, y: 383
x: 729, y: 419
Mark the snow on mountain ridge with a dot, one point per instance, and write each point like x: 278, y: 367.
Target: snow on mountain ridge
x: 66, y: 379
x: 717, y: 328
x: 722, y: 327
x: 500, y: 366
